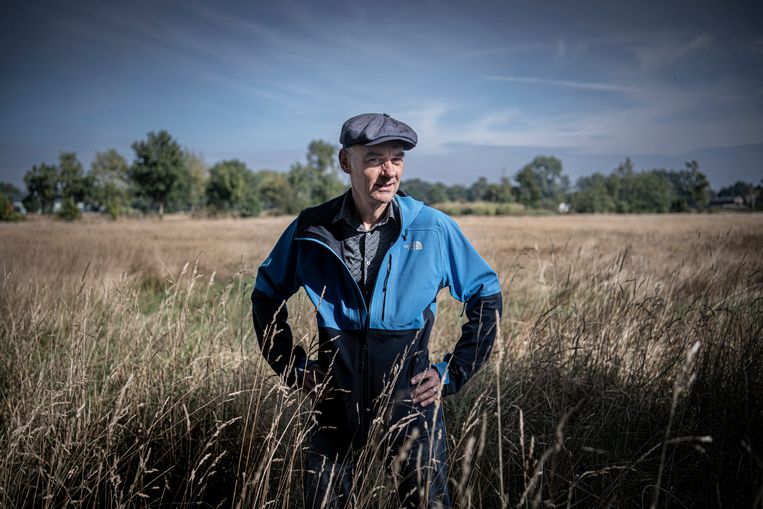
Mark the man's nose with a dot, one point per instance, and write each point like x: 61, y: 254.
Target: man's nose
x: 386, y: 167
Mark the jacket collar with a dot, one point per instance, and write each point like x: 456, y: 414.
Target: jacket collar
x: 322, y: 216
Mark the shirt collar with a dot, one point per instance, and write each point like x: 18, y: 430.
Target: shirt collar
x: 347, y: 213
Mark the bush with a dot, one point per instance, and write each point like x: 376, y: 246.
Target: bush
x: 6, y: 210
x: 480, y: 208
x: 69, y: 210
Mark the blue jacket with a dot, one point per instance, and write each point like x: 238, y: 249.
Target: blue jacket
x: 362, y: 346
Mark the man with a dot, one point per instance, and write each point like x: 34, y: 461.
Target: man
x: 372, y: 262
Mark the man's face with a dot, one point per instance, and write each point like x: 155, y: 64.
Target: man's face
x: 374, y: 171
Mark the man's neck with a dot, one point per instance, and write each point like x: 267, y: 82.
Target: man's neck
x: 369, y: 213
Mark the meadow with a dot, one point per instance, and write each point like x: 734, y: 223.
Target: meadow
x: 628, y: 370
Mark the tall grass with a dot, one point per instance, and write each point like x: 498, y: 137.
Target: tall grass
x: 628, y: 370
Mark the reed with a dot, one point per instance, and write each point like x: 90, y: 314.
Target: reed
x: 628, y: 370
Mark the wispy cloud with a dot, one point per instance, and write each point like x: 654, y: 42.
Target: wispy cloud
x: 507, y: 49
x: 646, y: 93
x: 662, y: 51
x: 642, y: 128
x: 583, y: 85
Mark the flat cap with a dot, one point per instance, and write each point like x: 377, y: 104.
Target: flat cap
x: 375, y: 128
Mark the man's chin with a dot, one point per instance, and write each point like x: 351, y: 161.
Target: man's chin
x: 383, y: 196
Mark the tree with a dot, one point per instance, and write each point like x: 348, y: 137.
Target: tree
x: 691, y: 187
x: 317, y: 180
x: 646, y: 191
x: 438, y: 193
x: 11, y: 192
x: 322, y: 156
x: 274, y: 191
x: 8, y: 194
x: 232, y: 187
x: 478, y: 190
x: 197, y: 175
x: 457, y: 192
x: 158, y: 170
x: 42, y: 188
x: 73, y: 182
x: 745, y: 190
x: 501, y: 192
x: 108, y: 174
x: 541, y: 183
x: 593, y: 194
x: 417, y: 188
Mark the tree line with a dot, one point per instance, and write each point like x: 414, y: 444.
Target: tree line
x: 542, y: 185
x: 165, y: 177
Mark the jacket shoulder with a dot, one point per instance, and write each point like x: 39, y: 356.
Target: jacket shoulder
x: 319, y: 215
x: 431, y: 217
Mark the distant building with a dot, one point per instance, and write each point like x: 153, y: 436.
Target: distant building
x: 19, y: 207
x: 564, y: 208
x: 727, y: 202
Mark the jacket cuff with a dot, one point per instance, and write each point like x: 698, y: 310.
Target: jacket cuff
x: 442, y: 369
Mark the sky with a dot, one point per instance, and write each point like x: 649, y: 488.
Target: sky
x: 487, y: 85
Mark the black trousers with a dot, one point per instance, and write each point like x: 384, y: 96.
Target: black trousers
x: 420, y: 473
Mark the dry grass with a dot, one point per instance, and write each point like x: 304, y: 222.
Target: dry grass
x: 629, y: 371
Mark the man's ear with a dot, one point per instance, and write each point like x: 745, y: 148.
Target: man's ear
x: 344, y: 160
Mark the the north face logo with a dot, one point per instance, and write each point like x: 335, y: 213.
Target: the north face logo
x: 414, y: 246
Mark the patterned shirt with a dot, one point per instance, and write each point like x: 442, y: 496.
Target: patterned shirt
x: 363, y: 251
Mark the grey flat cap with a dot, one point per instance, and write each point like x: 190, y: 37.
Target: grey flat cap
x: 375, y: 128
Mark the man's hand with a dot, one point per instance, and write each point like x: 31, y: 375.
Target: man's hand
x: 426, y: 387
x: 312, y: 377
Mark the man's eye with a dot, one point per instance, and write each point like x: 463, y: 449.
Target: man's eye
x: 373, y: 161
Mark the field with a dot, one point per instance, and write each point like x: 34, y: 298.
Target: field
x: 628, y: 370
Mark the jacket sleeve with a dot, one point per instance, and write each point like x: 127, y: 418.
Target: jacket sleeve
x: 277, y: 280
x: 472, y: 281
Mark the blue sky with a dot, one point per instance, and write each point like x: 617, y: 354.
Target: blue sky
x: 487, y: 85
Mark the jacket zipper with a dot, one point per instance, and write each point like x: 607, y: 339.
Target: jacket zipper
x: 364, y: 344
x: 366, y: 337
x: 384, y: 288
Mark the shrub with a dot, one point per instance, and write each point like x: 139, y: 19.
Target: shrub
x: 6, y: 210
x: 69, y: 210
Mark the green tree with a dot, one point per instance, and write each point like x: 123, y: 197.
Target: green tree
x: 197, y: 175
x: 10, y: 191
x: 232, y: 187
x: 158, y: 170
x: 745, y: 190
x: 500, y: 192
x: 438, y: 193
x: 418, y: 189
x: 542, y: 183
x: 317, y: 180
x: 275, y: 194
x: 594, y: 194
x: 457, y: 192
x: 478, y: 190
x: 42, y: 188
x: 109, y: 174
x: 647, y: 191
x: 8, y: 194
x: 74, y: 184
x: 691, y: 187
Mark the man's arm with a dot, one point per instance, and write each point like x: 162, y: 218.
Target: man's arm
x: 472, y: 281
x: 277, y: 280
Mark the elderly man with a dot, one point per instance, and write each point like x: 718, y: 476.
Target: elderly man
x: 372, y: 262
